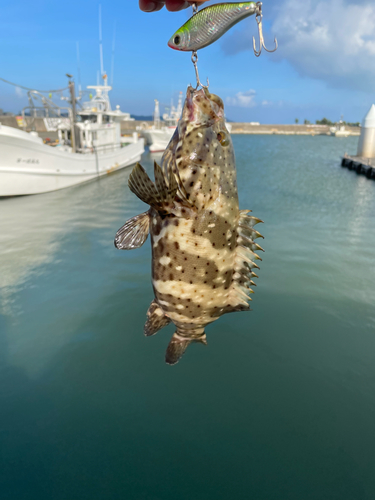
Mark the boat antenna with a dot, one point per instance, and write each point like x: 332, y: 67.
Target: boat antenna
x: 113, y: 53
x: 101, y: 41
x: 79, y: 70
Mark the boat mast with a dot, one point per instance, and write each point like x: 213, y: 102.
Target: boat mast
x: 156, y: 115
x: 113, y: 54
x: 79, y: 71
x: 101, y: 42
x: 74, y: 112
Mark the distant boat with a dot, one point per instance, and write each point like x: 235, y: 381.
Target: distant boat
x: 158, y: 135
x: 89, y: 146
x: 339, y: 130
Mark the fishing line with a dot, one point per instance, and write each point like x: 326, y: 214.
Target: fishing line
x: 27, y: 88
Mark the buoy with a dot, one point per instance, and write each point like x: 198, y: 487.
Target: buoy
x: 366, y: 143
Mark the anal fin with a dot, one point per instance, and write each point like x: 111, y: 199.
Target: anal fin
x: 156, y: 319
x: 133, y: 233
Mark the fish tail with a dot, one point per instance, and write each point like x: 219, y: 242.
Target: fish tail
x: 181, y: 341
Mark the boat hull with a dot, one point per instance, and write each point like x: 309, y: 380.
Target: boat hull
x: 28, y: 167
x: 158, y: 139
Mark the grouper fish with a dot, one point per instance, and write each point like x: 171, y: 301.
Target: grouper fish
x: 203, y: 248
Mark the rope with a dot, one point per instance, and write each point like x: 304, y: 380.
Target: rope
x: 26, y: 88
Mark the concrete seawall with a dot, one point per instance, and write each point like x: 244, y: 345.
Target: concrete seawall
x: 248, y: 128
x: 237, y: 128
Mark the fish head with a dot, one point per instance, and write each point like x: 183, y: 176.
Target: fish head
x: 201, y: 150
x: 180, y: 40
x: 204, y: 111
x: 202, y: 108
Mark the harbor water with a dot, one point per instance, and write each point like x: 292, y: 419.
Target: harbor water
x: 279, y: 405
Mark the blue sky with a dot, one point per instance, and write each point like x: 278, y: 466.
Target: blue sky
x: 324, y: 66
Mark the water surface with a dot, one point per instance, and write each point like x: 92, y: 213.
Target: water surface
x: 279, y: 405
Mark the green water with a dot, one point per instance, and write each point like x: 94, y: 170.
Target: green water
x: 279, y: 405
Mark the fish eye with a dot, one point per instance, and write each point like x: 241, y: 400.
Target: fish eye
x: 177, y: 39
x: 223, y: 139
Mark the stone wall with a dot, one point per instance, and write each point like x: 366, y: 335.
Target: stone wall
x: 128, y: 127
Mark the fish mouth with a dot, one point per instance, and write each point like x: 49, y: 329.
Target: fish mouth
x: 202, y: 106
x: 190, y: 103
x: 172, y: 45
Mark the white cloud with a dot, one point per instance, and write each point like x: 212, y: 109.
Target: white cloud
x: 19, y: 92
x: 331, y: 40
x: 243, y: 99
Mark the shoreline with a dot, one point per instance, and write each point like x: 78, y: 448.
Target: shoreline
x: 128, y: 127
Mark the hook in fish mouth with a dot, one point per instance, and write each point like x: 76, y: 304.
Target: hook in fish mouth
x: 202, y: 107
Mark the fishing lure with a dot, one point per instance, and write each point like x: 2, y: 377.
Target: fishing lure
x: 209, y: 24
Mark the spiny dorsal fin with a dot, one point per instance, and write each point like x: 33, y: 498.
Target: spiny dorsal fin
x: 156, y: 319
x: 248, y: 220
x: 133, y: 233
x: 159, y: 195
x: 243, y: 263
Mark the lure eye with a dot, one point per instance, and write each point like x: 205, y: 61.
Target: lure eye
x: 223, y: 139
x: 177, y: 39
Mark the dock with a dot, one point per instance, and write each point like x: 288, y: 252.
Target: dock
x: 361, y: 165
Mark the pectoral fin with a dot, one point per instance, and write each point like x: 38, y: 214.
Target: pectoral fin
x: 156, y: 319
x: 133, y: 233
x: 159, y: 195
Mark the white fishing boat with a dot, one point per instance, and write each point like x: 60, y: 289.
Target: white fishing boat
x: 90, y: 145
x: 158, y: 136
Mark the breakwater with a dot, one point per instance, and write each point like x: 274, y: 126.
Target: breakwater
x: 237, y: 127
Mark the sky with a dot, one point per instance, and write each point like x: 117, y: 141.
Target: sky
x: 324, y: 66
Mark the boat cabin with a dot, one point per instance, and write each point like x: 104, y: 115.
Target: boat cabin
x: 100, y: 127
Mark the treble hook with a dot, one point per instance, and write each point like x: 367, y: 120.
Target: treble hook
x: 194, y: 60
x: 258, y: 19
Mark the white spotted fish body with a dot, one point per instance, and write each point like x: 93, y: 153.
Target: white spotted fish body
x: 202, y: 244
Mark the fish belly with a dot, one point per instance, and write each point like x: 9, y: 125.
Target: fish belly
x: 192, y: 266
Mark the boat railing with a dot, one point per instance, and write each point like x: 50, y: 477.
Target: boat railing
x: 34, y: 112
x: 105, y: 148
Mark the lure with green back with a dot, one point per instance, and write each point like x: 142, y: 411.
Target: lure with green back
x: 209, y: 24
